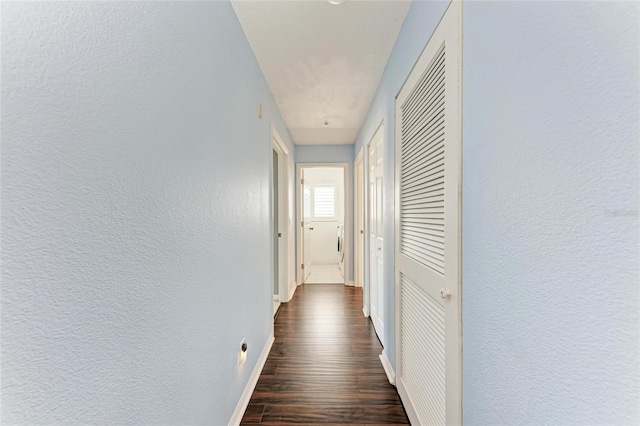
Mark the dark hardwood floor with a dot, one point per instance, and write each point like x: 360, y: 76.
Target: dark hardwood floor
x: 324, y: 365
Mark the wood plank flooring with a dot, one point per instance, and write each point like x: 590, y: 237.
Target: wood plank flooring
x: 324, y: 366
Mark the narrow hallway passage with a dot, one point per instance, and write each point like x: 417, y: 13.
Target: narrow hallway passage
x: 324, y: 365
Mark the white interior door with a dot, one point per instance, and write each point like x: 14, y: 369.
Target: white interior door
x: 359, y: 222
x: 376, y: 241
x: 275, y: 210
x: 306, y: 228
x: 282, y: 221
x: 427, y: 251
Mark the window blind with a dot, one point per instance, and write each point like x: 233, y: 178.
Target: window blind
x: 324, y: 202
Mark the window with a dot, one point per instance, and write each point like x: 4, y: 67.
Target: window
x: 324, y: 202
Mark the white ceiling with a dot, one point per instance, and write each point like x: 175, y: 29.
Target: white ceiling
x: 322, y: 62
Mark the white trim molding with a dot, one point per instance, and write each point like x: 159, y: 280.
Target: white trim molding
x: 292, y: 290
x: 365, y: 311
x: 251, y: 384
x: 386, y: 364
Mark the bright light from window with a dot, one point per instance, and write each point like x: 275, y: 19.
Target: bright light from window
x: 324, y: 202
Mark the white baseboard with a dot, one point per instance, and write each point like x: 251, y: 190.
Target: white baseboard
x: 391, y: 375
x: 365, y: 311
x: 292, y: 290
x: 251, y: 384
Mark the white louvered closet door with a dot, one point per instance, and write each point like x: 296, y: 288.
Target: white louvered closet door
x: 428, y: 205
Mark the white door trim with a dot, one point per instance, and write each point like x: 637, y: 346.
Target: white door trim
x: 347, y: 212
x: 283, y: 213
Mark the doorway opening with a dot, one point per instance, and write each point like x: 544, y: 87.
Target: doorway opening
x: 323, y: 239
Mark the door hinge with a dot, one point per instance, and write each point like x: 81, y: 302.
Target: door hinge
x: 301, y: 181
x: 279, y: 234
x: 302, y: 223
x: 302, y: 266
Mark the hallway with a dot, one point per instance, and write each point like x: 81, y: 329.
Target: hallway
x: 324, y: 365
x: 487, y: 199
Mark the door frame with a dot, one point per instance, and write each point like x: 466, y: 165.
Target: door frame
x: 347, y: 215
x: 283, y: 214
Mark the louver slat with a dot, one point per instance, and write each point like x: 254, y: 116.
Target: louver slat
x: 412, y: 103
x: 423, y: 350
x: 425, y: 96
x: 426, y: 133
x: 422, y: 169
x: 430, y: 164
x: 425, y: 116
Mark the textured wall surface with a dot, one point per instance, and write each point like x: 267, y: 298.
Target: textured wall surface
x: 550, y: 213
x: 135, y: 177
x: 331, y: 154
x: 420, y: 22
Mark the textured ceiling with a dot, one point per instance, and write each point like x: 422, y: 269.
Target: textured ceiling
x: 322, y: 62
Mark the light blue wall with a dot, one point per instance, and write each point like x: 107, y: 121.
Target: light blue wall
x: 331, y: 154
x: 550, y: 213
x: 135, y: 212
x: 324, y: 154
x: 420, y: 22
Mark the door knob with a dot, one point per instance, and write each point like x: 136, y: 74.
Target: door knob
x: 444, y: 293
